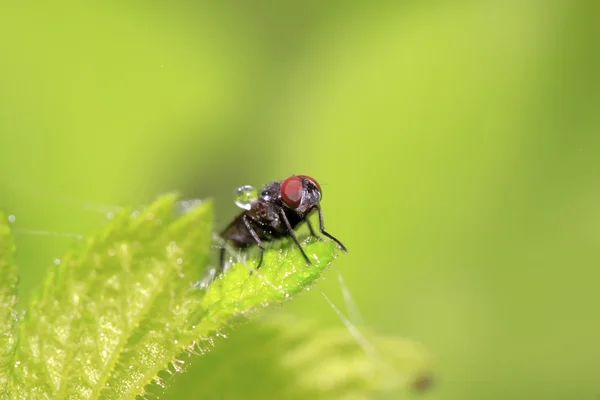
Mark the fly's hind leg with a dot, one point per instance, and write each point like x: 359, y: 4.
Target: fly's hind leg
x: 259, y: 243
x: 221, y: 259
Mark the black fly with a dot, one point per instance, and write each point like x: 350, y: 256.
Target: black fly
x: 281, y: 206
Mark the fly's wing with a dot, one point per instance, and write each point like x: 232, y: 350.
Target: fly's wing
x: 263, y: 221
x: 237, y: 233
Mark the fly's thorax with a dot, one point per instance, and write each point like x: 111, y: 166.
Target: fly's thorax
x: 271, y: 191
x: 264, y: 212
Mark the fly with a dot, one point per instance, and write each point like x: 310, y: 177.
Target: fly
x: 280, y: 208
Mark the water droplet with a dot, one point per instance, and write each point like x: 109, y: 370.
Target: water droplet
x: 179, y: 261
x: 12, y: 218
x: 245, y: 196
x: 110, y: 215
x: 57, y: 261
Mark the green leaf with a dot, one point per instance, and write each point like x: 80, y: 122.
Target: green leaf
x: 122, y: 307
x: 198, y: 317
x: 9, y: 279
x: 284, y: 357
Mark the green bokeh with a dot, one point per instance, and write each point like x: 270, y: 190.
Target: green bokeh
x: 456, y: 143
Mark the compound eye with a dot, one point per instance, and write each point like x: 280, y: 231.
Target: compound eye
x: 291, y: 191
x: 313, y: 180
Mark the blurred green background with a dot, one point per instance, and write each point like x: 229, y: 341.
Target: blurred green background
x: 457, y: 144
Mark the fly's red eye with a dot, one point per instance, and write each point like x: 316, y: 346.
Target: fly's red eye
x: 291, y: 191
x: 312, y: 180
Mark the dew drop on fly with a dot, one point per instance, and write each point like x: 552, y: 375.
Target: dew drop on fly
x: 245, y: 196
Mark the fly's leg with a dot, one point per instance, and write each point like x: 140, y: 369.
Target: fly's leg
x: 293, y: 235
x: 221, y: 259
x: 310, y: 228
x: 322, y: 229
x: 260, y: 245
x: 260, y: 258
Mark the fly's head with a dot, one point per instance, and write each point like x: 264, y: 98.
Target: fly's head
x: 300, y: 193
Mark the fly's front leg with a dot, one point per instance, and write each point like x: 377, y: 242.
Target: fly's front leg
x: 293, y: 235
x: 310, y: 228
x: 322, y: 228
